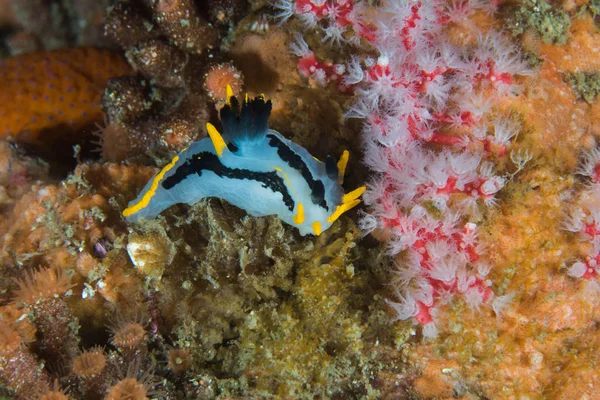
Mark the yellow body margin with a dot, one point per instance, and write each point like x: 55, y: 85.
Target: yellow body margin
x: 145, y: 200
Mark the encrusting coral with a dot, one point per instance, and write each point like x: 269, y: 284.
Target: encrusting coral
x: 52, y: 99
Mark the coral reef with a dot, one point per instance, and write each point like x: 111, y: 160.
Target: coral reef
x: 538, y: 253
x: 478, y: 279
x: 202, y: 293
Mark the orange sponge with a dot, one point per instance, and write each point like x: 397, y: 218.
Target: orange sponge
x: 47, y: 96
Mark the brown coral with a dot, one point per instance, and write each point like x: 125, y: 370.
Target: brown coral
x: 43, y: 283
x: 166, y: 112
x: 20, y: 371
x: 135, y: 128
x: 128, y: 335
x: 179, y: 360
x: 126, y: 24
x: 89, y: 363
x: 128, y: 389
x: 156, y: 59
x: 219, y: 77
x: 183, y: 25
x: 126, y: 98
x: 10, y: 340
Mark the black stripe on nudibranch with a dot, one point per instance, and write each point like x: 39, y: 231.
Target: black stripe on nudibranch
x: 206, y: 161
x: 232, y: 147
x: 331, y: 168
x: 295, y: 161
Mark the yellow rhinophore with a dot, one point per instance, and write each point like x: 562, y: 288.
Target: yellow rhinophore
x: 299, y: 217
x: 216, y: 138
x: 342, y: 208
x: 341, y: 165
x: 353, y: 195
x: 316, y: 227
x: 145, y: 200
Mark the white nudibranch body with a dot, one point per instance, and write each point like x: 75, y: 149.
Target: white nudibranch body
x: 254, y: 168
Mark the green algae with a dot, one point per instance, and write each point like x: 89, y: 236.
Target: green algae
x: 585, y: 84
x: 594, y: 7
x: 549, y: 22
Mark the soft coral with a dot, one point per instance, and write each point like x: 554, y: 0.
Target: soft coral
x: 421, y: 88
x: 425, y: 102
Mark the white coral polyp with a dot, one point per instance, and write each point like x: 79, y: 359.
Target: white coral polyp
x: 577, y: 270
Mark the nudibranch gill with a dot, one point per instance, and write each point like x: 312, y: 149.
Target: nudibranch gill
x: 254, y: 168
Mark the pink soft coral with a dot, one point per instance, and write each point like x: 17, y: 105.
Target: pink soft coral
x: 432, y: 136
x: 421, y: 88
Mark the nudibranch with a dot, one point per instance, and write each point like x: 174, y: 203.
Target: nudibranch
x: 254, y: 168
